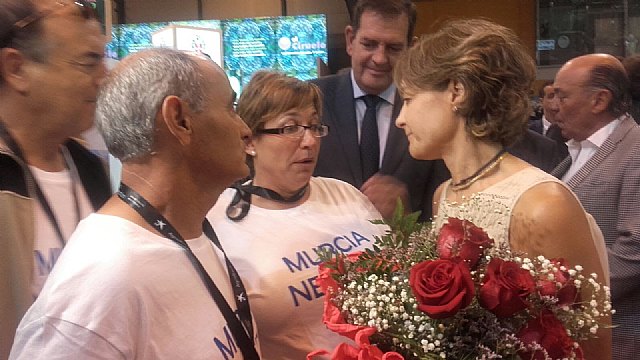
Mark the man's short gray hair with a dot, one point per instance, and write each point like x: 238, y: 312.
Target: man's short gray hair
x: 132, y: 95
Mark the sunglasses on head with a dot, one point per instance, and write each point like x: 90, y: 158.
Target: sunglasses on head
x: 86, y: 8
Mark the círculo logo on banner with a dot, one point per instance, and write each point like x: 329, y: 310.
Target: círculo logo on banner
x: 293, y: 43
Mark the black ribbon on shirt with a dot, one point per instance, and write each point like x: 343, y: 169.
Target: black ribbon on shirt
x: 241, y: 202
x: 241, y: 326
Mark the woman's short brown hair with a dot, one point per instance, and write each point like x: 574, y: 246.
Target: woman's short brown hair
x: 492, y: 65
x: 270, y: 94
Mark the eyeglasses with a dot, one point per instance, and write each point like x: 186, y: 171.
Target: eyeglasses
x: 87, y: 11
x: 297, y: 131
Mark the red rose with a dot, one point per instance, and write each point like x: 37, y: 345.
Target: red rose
x: 561, y: 286
x: 548, y: 332
x: 506, y: 287
x: 461, y: 239
x: 441, y: 287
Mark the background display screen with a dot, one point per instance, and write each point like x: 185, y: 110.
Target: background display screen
x: 290, y: 44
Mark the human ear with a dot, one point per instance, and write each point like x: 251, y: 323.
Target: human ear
x: 175, y: 116
x: 414, y: 39
x: 600, y: 101
x: 12, y: 69
x: 349, y: 35
x: 457, y: 92
x: 250, y: 148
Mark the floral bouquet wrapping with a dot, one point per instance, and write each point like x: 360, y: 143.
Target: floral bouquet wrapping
x: 453, y: 294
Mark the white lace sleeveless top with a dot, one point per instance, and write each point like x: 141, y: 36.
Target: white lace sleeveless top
x: 491, y: 208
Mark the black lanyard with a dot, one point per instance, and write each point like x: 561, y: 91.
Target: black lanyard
x: 241, y: 202
x: 242, y: 328
x: 42, y: 199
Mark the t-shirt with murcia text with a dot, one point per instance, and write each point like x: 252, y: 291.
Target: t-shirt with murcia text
x: 277, y: 252
x: 119, y: 291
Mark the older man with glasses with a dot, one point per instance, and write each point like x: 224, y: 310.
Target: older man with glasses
x: 51, y: 65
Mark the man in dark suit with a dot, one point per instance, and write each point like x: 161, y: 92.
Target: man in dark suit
x: 543, y: 116
x: 533, y: 148
x: 549, y: 127
x: 544, y: 123
x: 535, y: 123
x: 380, y: 31
x: 537, y: 150
x: 603, y: 169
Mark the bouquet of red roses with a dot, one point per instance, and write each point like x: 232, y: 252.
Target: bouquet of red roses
x: 453, y: 294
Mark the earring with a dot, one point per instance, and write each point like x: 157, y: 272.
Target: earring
x: 455, y: 108
x: 252, y: 152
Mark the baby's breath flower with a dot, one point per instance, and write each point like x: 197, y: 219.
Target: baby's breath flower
x: 386, y: 301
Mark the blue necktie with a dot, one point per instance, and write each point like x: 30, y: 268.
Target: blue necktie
x: 369, y: 140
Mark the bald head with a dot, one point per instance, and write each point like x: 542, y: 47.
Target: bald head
x: 594, y: 59
x: 591, y: 91
x: 601, y: 72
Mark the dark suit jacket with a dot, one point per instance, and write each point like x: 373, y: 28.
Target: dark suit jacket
x: 554, y: 133
x: 340, y: 156
x: 608, y: 186
x: 537, y: 150
x: 536, y: 125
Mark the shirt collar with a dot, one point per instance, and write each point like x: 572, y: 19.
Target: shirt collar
x: 545, y: 123
x: 597, y: 138
x: 389, y: 95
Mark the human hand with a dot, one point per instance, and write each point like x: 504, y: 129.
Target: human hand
x: 383, y: 191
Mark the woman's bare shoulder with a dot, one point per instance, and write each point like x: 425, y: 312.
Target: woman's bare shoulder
x: 548, y: 218
x: 546, y: 199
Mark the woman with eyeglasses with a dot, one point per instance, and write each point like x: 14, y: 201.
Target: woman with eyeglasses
x: 274, y: 225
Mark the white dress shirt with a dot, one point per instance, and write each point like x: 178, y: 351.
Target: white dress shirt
x: 582, y: 151
x: 545, y: 125
x: 383, y: 116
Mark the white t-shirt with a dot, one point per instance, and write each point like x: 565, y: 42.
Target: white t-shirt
x: 58, y: 188
x: 275, y: 254
x: 119, y: 291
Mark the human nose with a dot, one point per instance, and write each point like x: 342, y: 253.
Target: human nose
x: 380, y: 55
x: 245, y: 132
x: 400, y: 122
x: 307, y: 138
x: 101, y: 73
x: 554, y: 105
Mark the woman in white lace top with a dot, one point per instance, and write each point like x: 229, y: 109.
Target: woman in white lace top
x: 466, y: 96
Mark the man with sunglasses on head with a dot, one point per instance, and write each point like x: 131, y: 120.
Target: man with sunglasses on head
x: 50, y: 68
